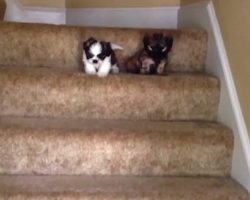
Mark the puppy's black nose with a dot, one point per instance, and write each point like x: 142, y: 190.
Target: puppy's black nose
x: 95, y: 61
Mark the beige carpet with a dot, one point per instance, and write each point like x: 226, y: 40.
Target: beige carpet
x: 68, y: 136
x: 46, y: 92
x: 111, y: 147
x: 61, y: 46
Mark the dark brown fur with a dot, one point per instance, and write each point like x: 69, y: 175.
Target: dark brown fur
x: 141, y: 63
x: 152, y: 59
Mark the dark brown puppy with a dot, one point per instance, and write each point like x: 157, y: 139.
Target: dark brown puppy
x: 152, y: 59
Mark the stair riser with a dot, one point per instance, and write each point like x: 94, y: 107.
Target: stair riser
x: 41, y: 151
x: 78, y: 96
x: 119, y: 188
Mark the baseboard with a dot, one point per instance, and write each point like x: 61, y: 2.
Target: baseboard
x: 164, y: 17
x: 202, y: 15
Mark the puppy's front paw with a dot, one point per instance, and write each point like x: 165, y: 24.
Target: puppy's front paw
x: 104, y: 68
x: 90, y: 71
x: 115, y: 70
x: 160, y: 70
x: 161, y: 67
x: 102, y: 74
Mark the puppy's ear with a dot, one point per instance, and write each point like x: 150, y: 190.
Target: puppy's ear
x: 106, y: 47
x: 89, y: 42
x: 169, y: 42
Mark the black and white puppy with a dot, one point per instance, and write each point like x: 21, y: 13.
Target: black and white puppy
x: 99, y: 57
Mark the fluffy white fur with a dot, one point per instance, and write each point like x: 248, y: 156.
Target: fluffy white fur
x: 102, y: 67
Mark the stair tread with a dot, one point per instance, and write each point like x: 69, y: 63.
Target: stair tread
x: 113, y: 147
x: 120, y: 187
x: 56, y: 93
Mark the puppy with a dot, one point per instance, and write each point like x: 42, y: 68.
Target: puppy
x: 140, y: 63
x: 152, y: 59
x: 99, y: 57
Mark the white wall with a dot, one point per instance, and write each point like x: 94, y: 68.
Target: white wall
x: 17, y: 13
x: 202, y: 15
x: 124, y: 17
x: 109, y: 17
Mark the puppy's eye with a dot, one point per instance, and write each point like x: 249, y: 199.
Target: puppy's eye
x: 101, y: 56
x: 150, y: 48
x: 89, y: 55
x: 164, y: 49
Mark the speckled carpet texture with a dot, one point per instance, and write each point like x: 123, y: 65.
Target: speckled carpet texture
x: 71, y: 136
x: 53, y: 93
x: 114, y: 147
x: 60, y: 46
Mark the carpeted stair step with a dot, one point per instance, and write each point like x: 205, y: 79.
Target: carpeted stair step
x: 119, y: 188
x: 113, y: 147
x: 51, y: 93
x: 54, y: 46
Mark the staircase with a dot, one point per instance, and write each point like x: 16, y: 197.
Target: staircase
x: 66, y: 135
